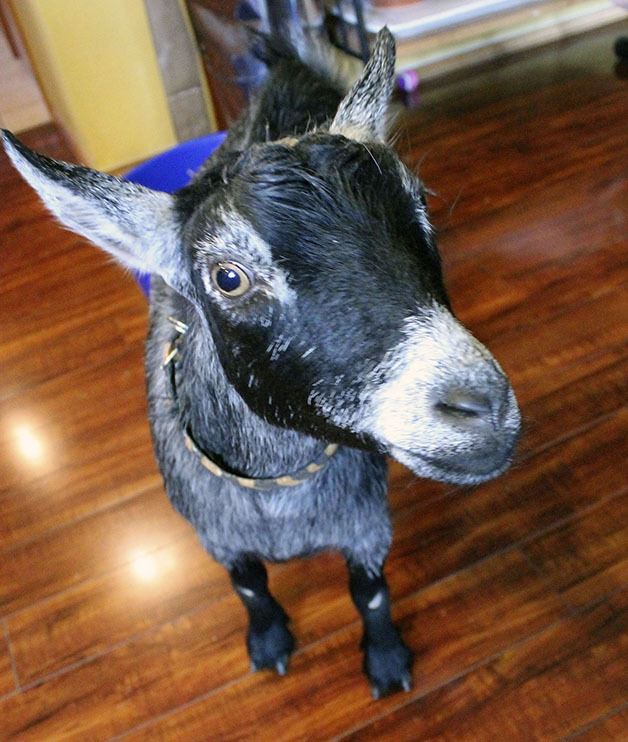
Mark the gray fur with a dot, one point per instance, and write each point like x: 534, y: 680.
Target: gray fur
x: 362, y: 115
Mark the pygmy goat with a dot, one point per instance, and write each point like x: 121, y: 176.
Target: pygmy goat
x: 299, y: 332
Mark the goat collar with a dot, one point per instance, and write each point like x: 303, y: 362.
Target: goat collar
x: 171, y: 354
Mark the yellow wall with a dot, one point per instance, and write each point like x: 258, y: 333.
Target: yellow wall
x: 96, y: 64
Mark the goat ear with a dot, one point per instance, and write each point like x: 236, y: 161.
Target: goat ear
x: 134, y: 224
x: 362, y: 112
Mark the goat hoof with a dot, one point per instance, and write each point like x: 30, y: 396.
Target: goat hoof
x: 270, y: 647
x: 282, y: 666
x: 388, y: 668
x: 405, y: 683
x: 386, y: 688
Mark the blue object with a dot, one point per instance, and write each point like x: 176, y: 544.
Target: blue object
x: 172, y: 170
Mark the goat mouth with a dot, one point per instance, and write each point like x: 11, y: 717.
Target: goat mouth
x: 448, y: 470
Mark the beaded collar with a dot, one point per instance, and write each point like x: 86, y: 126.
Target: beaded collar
x: 171, y: 353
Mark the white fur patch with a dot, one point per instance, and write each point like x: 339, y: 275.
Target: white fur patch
x: 376, y: 601
x: 437, y: 351
x: 411, y: 185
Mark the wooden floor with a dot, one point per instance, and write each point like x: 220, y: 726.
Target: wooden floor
x: 113, y: 622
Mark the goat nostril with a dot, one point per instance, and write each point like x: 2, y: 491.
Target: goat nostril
x: 464, y: 404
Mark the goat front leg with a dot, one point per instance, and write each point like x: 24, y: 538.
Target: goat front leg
x: 387, y: 660
x: 268, y: 640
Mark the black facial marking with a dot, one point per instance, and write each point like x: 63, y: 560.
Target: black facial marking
x: 345, y: 232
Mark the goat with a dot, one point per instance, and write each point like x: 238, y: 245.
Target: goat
x: 300, y: 331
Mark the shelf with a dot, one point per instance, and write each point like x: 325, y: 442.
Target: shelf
x: 436, y: 37
x: 431, y: 15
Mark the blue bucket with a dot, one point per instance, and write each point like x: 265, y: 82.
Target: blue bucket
x: 172, y: 170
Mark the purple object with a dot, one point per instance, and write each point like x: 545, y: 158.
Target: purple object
x: 172, y: 170
x: 408, y: 81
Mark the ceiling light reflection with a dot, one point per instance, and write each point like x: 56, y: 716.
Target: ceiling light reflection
x: 145, y: 567
x: 29, y: 445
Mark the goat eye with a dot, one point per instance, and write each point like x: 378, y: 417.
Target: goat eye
x: 231, y: 279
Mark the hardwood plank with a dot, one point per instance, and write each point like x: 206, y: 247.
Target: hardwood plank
x: 452, y: 623
x: 586, y: 560
x: 154, y: 587
x: 610, y: 728
x: 7, y: 679
x: 405, y: 488
x: 87, y: 548
x: 58, y: 458
x: 571, y: 339
x: 161, y: 669
x: 64, y: 350
x: 507, y: 282
x: 72, y: 493
x: 467, y: 526
x: 65, y: 450
x: 597, y: 391
x: 557, y: 484
x: 67, y: 322
x: 428, y: 541
x: 545, y: 229
x: 460, y: 127
x: 544, y: 688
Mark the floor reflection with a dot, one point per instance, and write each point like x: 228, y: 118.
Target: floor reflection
x: 29, y: 445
